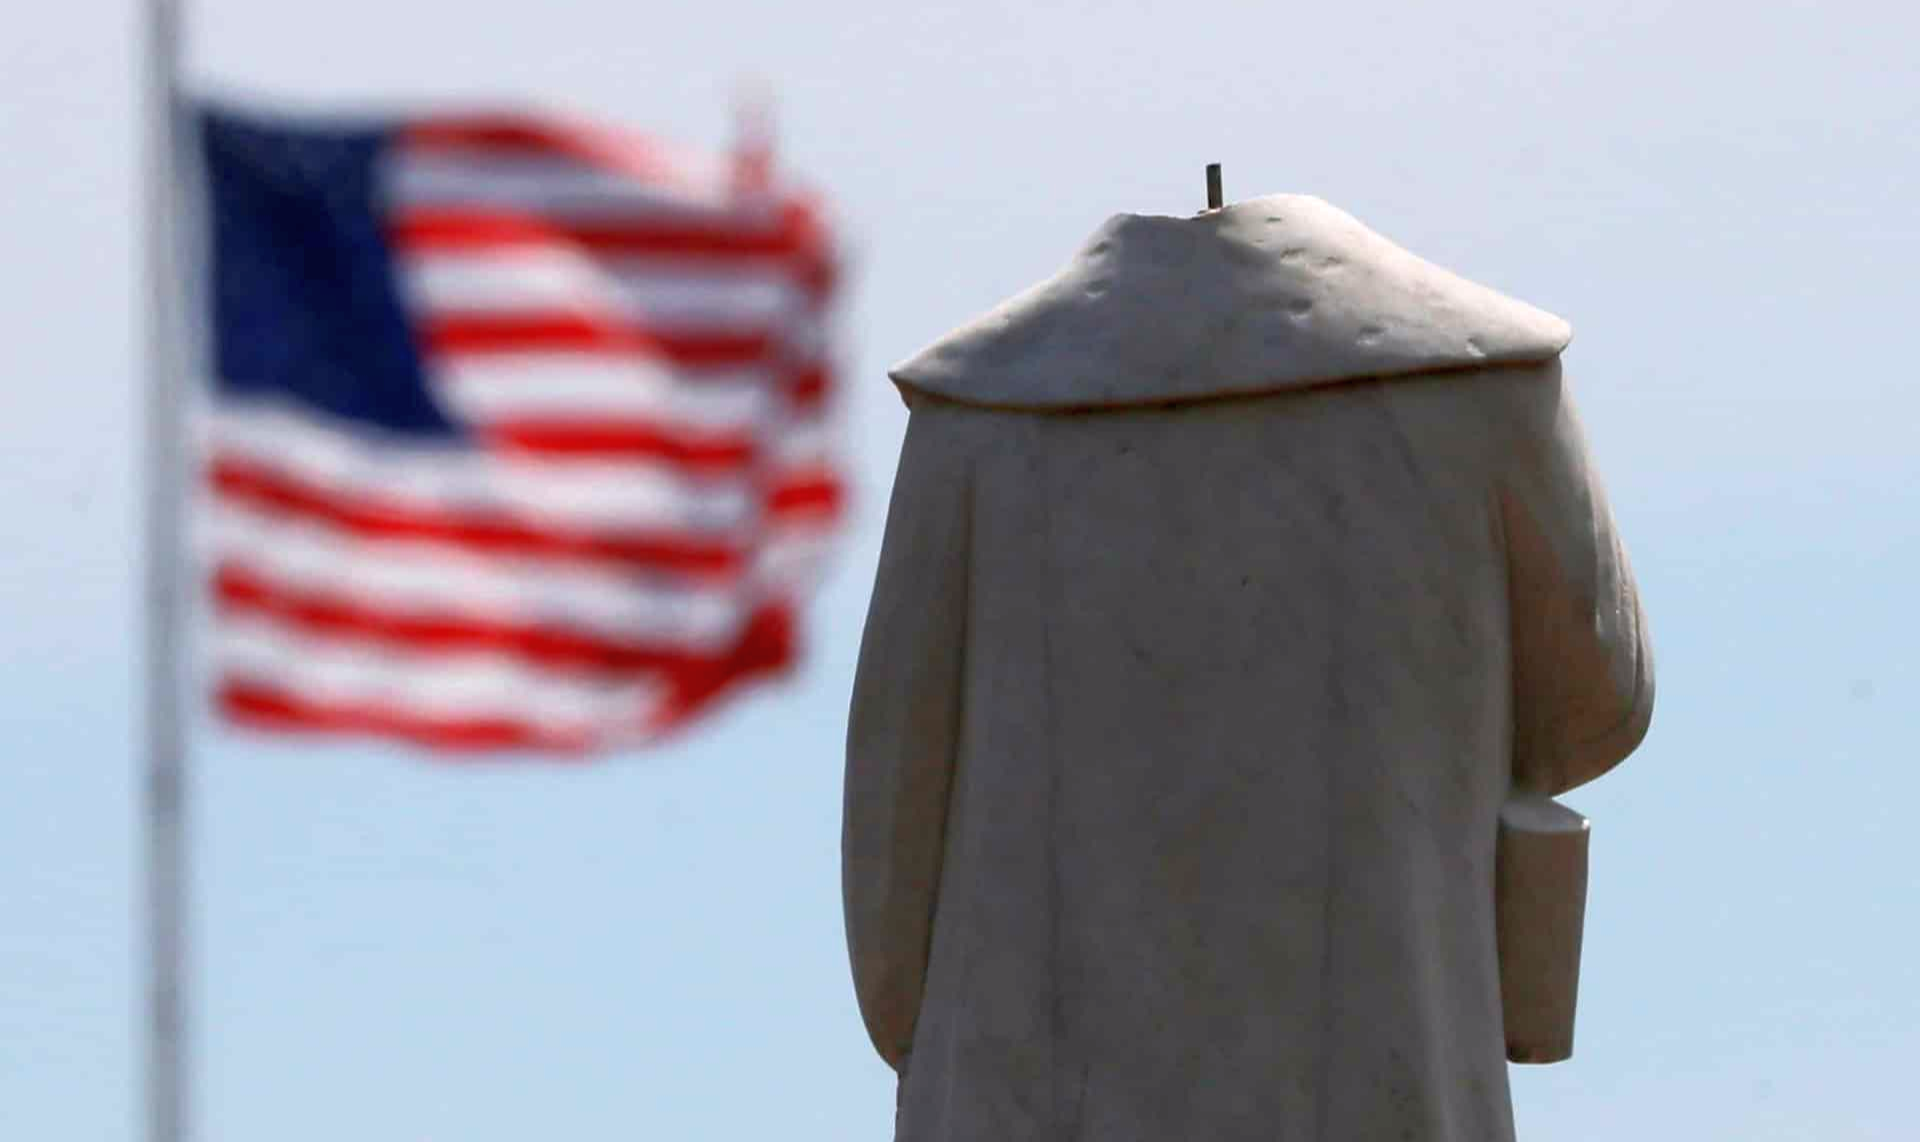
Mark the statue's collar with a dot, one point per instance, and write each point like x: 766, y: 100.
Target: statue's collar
x: 1273, y: 293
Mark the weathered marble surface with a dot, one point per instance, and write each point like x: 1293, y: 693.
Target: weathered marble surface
x: 1183, y: 727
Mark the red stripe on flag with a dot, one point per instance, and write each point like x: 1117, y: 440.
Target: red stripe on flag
x: 514, y: 136
x: 265, y: 707
x: 820, y: 494
x: 602, y: 440
x: 510, y: 133
x: 262, y: 488
x: 240, y: 591
x: 808, y: 389
x: 767, y: 647
x: 568, y: 332
x: 424, y: 228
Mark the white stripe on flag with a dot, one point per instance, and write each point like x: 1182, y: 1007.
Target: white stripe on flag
x: 661, y: 295
x: 808, y: 443
x: 792, y: 561
x: 560, y: 188
x: 339, y: 673
x: 489, y: 387
x: 464, y: 478
x: 409, y: 578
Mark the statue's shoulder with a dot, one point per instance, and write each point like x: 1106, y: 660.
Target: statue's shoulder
x: 1273, y: 293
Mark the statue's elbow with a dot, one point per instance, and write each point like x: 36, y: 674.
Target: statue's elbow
x: 1598, y: 753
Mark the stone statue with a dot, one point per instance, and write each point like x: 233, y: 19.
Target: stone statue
x: 1246, y: 588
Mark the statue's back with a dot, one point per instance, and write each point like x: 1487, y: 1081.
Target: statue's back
x: 1179, y: 744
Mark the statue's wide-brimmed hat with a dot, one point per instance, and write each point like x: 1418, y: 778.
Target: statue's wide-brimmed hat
x: 1269, y: 294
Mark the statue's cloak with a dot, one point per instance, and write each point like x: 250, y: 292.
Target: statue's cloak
x: 1232, y: 580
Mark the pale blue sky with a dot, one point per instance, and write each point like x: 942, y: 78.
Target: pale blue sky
x: 1719, y: 196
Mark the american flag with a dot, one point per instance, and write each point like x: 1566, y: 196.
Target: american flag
x: 520, y: 432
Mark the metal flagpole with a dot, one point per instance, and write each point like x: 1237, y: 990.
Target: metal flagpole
x: 165, y: 742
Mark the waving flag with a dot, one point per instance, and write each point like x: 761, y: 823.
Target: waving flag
x: 520, y: 433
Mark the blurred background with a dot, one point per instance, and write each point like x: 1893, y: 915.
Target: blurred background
x: 1720, y: 197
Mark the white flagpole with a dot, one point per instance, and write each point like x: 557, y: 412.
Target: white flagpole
x: 165, y: 742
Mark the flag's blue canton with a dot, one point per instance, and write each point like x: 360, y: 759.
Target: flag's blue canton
x: 305, y: 303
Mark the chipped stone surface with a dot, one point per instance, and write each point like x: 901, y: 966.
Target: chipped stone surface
x: 1273, y: 293
x: 1183, y: 728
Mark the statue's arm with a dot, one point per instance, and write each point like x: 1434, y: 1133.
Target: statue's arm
x: 903, y: 728
x: 1582, y: 664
